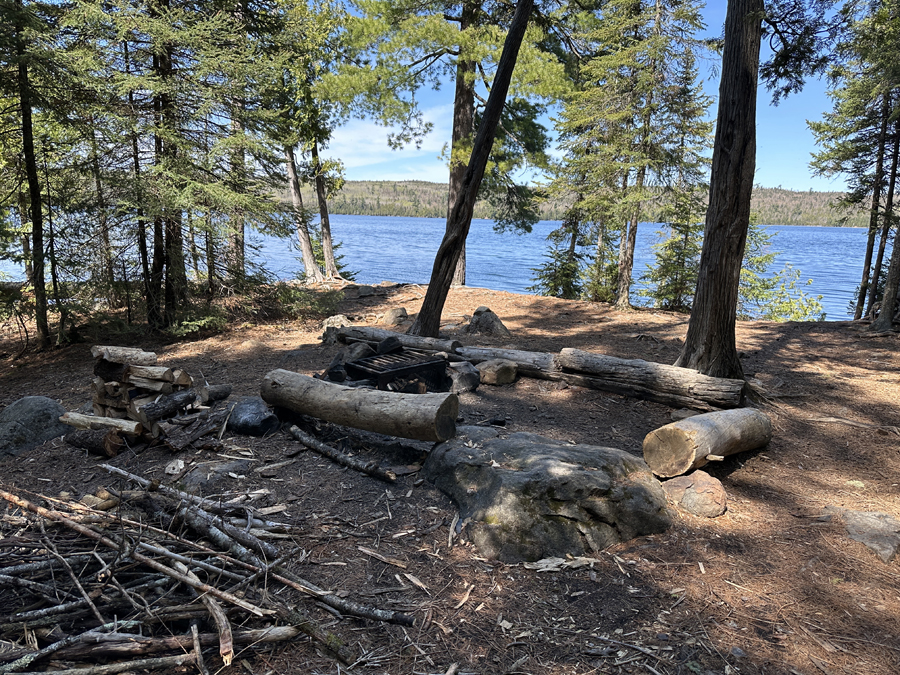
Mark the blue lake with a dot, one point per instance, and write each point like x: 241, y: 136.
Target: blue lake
x: 403, y: 250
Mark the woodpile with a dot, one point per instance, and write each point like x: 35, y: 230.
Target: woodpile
x: 118, y: 577
x: 133, y: 397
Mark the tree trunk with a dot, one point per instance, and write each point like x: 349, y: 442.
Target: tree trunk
x: 709, y: 346
x: 428, y: 321
x: 331, y: 270
x: 34, y: 188
x: 886, y: 225
x: 655, y: 377
x: 109, y: 275
x: 176, y: 276
x: 26, y: 241
x: 874, y: 209
x: 693, y: 442
x: 463, y: 128
x: 310, y: 267
x: 885, y: 319
x: 426, y: 417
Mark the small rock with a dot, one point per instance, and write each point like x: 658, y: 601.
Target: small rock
x: 464, y: 377
x: 28, y: 422
x: 485, y: 322
x: 879, y: 531
x: 498, y: 371
x: 336, y: 321
x: 365, y: 291
x: 251, y: 416
x: 738, y: 653
x: 699, y: 494
x: 395, y: 316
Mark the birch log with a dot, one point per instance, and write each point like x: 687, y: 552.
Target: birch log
x: 660, y: 379
x: 690, y: 443
x: 425, y: 417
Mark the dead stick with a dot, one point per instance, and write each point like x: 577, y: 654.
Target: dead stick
x: 106, y: 541
x: 201, y: 664
x: 370, y: 468
x: 50, y: 547
x: 226, y: 642
x: 112, y: 668
x: 197, y: 518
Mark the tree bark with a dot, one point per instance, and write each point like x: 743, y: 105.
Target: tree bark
x: 885, y: 319
x: 709, y: 346
x: 34, y: 186
x: 886, y: 224
x: 426, y: 417
x: 310, y: 267
x: 688, y: 444
x: 877, y: 181
x: 655, y: 377
x: 463, y: 128
x: 428, y: 321
x: 130, y: 355
x: 331, y: 270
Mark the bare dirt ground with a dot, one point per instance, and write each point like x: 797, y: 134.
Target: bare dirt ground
x: 769, y: 587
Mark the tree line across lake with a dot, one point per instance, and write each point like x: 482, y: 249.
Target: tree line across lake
x: 421, y: 199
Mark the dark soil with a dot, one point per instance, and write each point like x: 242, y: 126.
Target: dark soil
x: 769, y: 587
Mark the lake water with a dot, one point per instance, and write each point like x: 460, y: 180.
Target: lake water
x: 403, y: 250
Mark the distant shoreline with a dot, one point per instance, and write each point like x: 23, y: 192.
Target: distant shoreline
x: 422, y: 199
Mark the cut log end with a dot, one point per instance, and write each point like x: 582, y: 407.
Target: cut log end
x: 688, y: 444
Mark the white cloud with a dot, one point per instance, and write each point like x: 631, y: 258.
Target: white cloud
x: 363, y: 148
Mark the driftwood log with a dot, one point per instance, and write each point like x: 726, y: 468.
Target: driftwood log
x: 426, y: 417
x: 690, y: 443
x: 654, y: 381
x: 348, y: 334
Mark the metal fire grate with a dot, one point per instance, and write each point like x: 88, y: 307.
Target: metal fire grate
x: 385, y: 368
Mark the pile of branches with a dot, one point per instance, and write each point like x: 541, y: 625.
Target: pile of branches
x: 149, y: 578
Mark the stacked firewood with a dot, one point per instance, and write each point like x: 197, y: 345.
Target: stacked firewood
x: 133, y: 398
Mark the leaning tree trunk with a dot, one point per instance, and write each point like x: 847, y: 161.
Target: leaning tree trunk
x: 331, y: 270
x: 709, y: 346
x: 884, y: 321
x: 463, y: 130
x: 428, y: 321
x: 310, y: 266
x: 34, y: 191
x: 886, y: 225
x: 874, y: 209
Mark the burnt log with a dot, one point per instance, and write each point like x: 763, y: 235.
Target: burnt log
x: 102, y: 442
x: 166, y: 406
x: 426, y: 417
x: 348, y: 334
x: 655, y: 381
x: 693, y: 442
x: 214, y: 392
x: 110, y: 371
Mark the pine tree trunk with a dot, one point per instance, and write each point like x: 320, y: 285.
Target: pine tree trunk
x: 34, y: 189
x: 331, y: 270
x: 886, y: 225
x: 109, y: 275
x: 26, y: 242
x: 709, y: 346
x: 428, y: 321
x: 176, y: 276
x: 192, y: 245
x: 463, y: 130
x: 310, y: 267
x: 884, y: 321
x: 874, y: 209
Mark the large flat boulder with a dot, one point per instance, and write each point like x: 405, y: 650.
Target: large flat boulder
x: 28, y: 422
x: 526, y: 497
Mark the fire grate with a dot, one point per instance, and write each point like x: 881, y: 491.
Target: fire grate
x: 385, y: 368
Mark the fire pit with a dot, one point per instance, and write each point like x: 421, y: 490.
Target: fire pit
x: 410, y: 364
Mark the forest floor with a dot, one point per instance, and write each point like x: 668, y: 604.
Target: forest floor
x: 769, y: 587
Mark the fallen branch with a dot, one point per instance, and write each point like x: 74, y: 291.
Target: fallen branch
x: 370, y: 468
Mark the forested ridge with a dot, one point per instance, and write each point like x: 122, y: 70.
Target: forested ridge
x: 421, y: 199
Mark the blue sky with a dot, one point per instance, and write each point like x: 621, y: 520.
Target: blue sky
x: 784, y: 142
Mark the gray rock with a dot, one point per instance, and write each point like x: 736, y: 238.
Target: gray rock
x: 206, y: 475
x: 498, y: 371
x: 879, y: 531
x: 527, y: 497
x: 485, y: 322
x: 395, y: 316
x: 464, y: 377
x: 698, y: 493
x: 28, y: 422
x: 336, y: 321
x: 365, y: 291
x: 251, y: 416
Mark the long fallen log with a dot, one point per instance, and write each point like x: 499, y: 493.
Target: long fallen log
x: 348, y: 334
x: 426, y: 417
x: 656, y: 381
x: 693, y: 442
